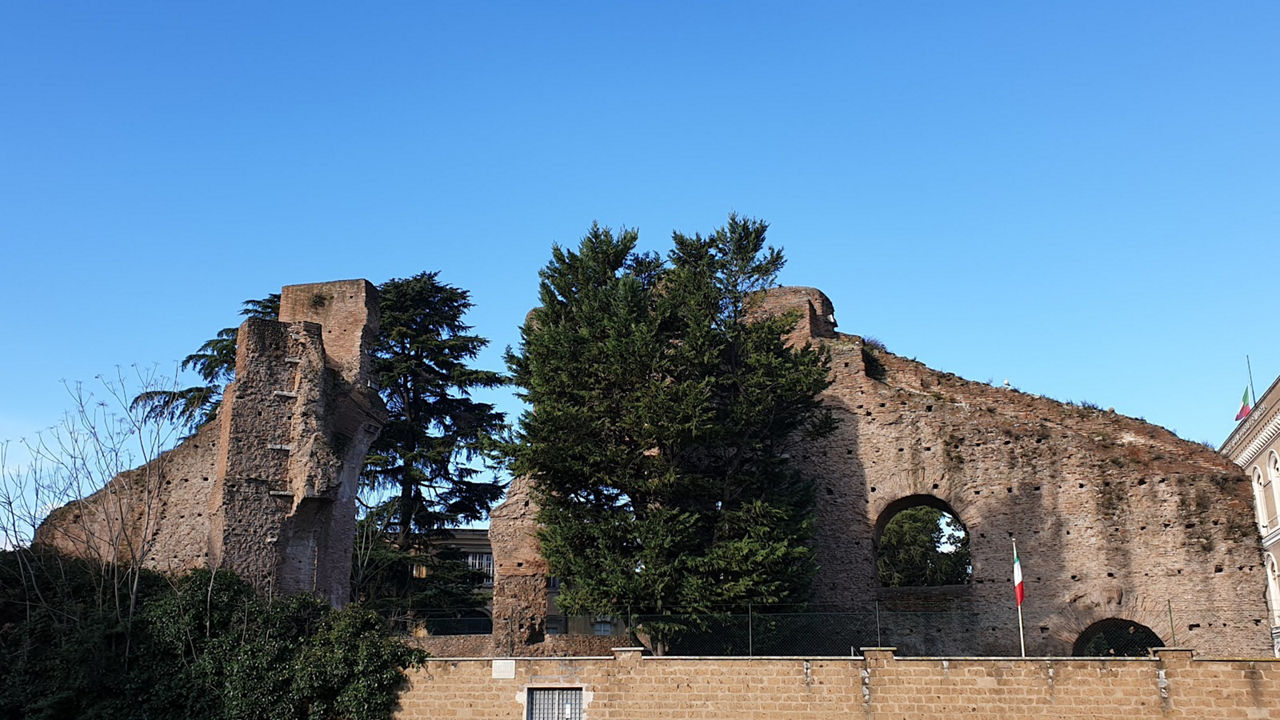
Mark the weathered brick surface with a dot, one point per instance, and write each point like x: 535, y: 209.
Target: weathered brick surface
x: 267, y: 489
x: 1114, y: 517
x: 876, y: 686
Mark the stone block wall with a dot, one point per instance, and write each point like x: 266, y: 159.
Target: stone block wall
x: 876, y: 686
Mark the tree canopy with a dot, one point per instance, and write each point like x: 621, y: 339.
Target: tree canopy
x: 923, y: 546
x: 434, y: 429
x: 663, y: 412
x: 435, y: 433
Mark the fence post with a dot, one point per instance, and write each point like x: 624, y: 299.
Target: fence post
x: 751, y: 647
x: 1173, y: 632
x: 879, y: 640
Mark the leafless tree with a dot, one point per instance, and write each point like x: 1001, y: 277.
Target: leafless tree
x: 100, y: 443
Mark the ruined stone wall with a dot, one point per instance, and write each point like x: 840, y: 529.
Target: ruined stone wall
x: 1114, y: 517
x: 520, y: 593
x: 268, y: 488
x: 159, y: 512
x: 877, y: 686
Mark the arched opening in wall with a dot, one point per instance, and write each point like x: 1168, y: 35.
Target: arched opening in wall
x: 1116, y: 637
x: 920, y: 541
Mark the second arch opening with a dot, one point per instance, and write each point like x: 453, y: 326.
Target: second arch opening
x: 920, y: 541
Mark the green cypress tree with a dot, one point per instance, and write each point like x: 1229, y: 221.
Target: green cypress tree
x: 663, y: 412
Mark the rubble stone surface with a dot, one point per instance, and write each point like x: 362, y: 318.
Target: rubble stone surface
x: 267, y: 489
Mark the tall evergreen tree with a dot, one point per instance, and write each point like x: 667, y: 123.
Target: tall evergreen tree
x: 663, y: 410
x: 434, y: 433
x: 435, y: 430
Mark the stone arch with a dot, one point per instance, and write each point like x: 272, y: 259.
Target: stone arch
x: 1273, y: 474
x: 1115, y: 636
x: 909, y: 502
x: 1060, y: 631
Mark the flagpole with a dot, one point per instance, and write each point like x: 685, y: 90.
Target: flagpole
x: 1022, y: 640
x: 1251, y: 390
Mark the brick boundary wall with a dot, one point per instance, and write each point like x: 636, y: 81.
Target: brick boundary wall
x: 875, y: 686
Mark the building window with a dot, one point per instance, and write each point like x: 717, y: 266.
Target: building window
x: 1259, y: 505
x: 555, y: 704
x: 482, y: 562
x: 603, y: 625
x: 1267, y: 508
x: 1274, y: 481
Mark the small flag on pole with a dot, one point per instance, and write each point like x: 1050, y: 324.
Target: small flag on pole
x: 1017, y: 577
x: 1244, y: 406
x: 1017, y: 592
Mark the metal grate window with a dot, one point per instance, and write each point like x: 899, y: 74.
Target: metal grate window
x: 555, y: 703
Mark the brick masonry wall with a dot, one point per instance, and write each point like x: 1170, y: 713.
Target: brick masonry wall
x: 877, y: 686
x: 268, y: 488
x: 1114, y: 517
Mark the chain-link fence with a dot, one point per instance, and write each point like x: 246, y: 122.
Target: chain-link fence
x: 1123, y: 631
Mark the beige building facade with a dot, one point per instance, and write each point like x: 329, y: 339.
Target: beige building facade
x: 1255, y: 446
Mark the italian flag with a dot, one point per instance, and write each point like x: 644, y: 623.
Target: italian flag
x: 1244, y: 406
x: 1017, y: 577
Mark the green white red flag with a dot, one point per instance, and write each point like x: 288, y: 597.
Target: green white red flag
x: 1017, y: 577
x: 1244, y: 406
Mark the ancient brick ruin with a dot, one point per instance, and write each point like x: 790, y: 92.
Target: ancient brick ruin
x: 1114, y: 517
x: 268, y: 488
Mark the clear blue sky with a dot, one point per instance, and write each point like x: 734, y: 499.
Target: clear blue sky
x: 1081, y: 197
